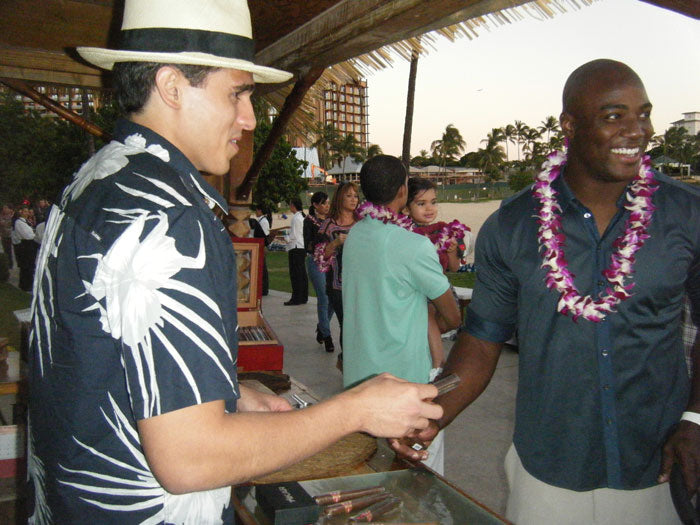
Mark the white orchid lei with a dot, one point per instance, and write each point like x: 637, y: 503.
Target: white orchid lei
x: 552, y: 240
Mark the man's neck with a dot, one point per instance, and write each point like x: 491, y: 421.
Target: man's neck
x: 590, y: 190
x: 597, y: 195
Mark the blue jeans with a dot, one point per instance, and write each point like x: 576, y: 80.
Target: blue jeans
x: 324, y: 309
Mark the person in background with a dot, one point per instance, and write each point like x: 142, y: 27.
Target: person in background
x: 591, y: 264
x: 297, y: 254
x: 41, y: 210
x: 328, y: 252
x: 24, y: 246
x: 6, y: 220
x: 318, y: 211
x: 137, y: 415
x: 261, y: 230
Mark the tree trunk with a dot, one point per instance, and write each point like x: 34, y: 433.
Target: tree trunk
x: 408, y: 122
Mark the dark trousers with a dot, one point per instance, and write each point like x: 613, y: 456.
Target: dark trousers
x: 336, y: 299
x: 7, y: 248
x: 297, y: 274
x: 25, y: 252
x: 265, y: 278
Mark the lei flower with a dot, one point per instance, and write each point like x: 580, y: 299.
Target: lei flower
x: 551, y: 241
x: 384, y: 214
x: 441, y: 235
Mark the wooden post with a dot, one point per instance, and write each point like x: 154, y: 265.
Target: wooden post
x: 291, y: 104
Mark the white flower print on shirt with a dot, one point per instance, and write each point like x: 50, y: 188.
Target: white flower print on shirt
x: 129, y: 287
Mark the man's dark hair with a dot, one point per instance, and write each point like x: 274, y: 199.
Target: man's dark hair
x: 297, y: 204
x: 418, y: 185
x: 133, y: 82
x: 381, y: 177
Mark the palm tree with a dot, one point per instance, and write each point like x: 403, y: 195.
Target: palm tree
x: 345, y: 147
x: 491, y: 158
x: 449, y: 146
x: 549, y: 125
x: 373, y: 150
x: 326, y: 136
x: 520, y: 132
x: 408, y: 121
x: 531, y: 137
x: 509, y: 135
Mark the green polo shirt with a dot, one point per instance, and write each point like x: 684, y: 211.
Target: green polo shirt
x: 389, y: 274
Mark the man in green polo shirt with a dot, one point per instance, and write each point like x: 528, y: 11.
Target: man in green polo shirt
x: 389, y: 275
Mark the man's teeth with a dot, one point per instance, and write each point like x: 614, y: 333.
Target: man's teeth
x: 625, y: 151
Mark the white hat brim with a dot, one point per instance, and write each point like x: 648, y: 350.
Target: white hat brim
x: 106, y: 58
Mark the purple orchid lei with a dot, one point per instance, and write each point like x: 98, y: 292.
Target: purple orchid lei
x: 384, y: 214
x: 551, y: 241
x: 452, y: 230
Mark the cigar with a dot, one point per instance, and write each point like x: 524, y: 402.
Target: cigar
x: 446, y: 384
x: 344, y: 495
x: 344, y: 507
x: 375, y: 511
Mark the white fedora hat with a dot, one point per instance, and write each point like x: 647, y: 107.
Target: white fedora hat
x: 214, y: 33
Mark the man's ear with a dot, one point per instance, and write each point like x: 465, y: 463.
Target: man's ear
x: 567, y: 124
x: 169, y: 86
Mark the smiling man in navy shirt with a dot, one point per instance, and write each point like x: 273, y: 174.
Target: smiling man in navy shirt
x: 590, y: 265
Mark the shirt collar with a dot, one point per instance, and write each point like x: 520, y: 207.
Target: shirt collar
x: 567, y: 198
x: 189, y: 175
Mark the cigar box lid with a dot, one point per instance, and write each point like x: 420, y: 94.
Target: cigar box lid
x: 249, y: 264
x: 287, y: 503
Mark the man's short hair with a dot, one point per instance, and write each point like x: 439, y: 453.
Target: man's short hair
x: 381, y: 177
x: 133, y: 82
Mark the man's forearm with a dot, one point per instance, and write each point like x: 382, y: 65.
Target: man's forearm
x: 474, y: 361
x: 202, y: 447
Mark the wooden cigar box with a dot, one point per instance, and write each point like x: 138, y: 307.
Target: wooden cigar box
x: 258, y: 345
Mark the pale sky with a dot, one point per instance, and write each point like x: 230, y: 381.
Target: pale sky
x: 517, y: 72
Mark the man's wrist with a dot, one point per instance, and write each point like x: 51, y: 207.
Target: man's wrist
x: 693, y: 417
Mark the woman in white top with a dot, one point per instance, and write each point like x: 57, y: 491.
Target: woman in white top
x: 25, y: 247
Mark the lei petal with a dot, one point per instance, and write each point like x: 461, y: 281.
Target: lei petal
x: 552, y: 240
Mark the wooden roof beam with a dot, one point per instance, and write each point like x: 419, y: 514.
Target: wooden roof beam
x: 352, y: 28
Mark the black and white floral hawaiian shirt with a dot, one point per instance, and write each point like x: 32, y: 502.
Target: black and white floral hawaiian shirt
x: 134, y: 315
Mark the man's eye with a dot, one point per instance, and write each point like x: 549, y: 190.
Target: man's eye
x: 612, y: 116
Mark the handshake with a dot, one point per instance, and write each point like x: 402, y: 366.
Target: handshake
x: 393, y: 408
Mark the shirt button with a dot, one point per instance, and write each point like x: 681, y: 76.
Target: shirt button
x: 606, y: 387
x: 587, y: 215
x: 604, y: 353
x: 609, y: 421
x: 601, y: 283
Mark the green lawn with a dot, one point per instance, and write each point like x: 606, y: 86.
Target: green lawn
x: 278, y: 269
x: 11, y: 299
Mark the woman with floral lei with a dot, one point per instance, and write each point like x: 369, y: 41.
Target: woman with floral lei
x: 452, y: 241
x: 318, y: 211
x: 328, y: 252
x: 591, y: 266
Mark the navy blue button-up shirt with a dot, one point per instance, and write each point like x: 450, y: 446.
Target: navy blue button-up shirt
x: 595, y: 401
x: 134, y: 315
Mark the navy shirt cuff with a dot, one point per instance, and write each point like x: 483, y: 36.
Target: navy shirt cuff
x: 486, y: 330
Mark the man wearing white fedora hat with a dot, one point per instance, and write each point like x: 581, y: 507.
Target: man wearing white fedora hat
x: 136, y: 414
